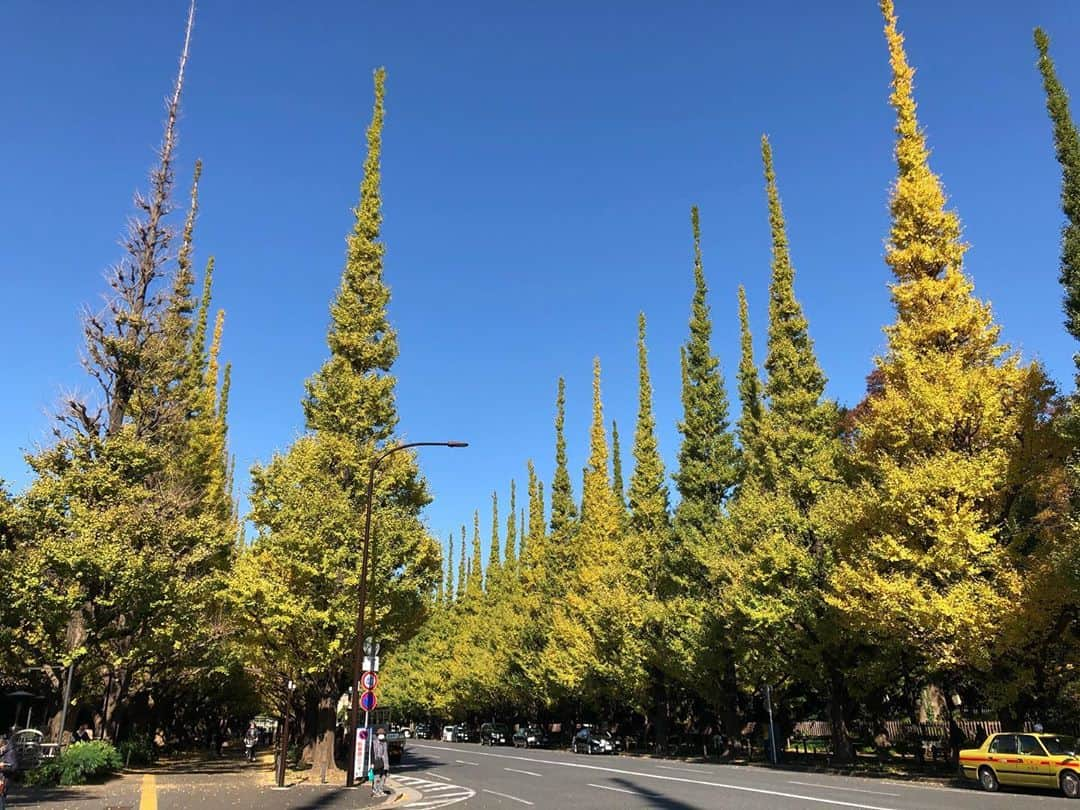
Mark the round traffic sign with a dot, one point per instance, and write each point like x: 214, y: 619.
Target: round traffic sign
x: 368, y: 701
x: 369, y: 680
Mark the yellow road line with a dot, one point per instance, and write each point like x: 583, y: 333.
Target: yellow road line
x: 149, y: 793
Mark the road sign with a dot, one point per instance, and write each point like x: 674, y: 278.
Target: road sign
x: 371, y: 665
x: 369, y: 680
x: 368, y: 701
x: 360, y: 750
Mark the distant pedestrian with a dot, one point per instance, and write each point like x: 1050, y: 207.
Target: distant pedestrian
x: 380, y: 763
x: 251, y: 739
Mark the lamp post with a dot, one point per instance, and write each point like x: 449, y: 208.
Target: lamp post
x: 67, y: 697
x: 350, y: 774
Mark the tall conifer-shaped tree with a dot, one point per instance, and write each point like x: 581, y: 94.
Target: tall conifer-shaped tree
x: 474, y: 588
x: 799, y: 431
x: 510, y: 554
x: 649, y: 506
x: 449, y: 595
x: 305, y: 502
x: 462, y: 578
x: 494, y: 566
x: 536, y: 507
x: 750, y: 394
x: 126, y: 537
x: 563, y: 510
x: 1067, y: 147
x: 933, y: 533
x: 596, y: 646
x: 616, y: 464
x: 708, y: 459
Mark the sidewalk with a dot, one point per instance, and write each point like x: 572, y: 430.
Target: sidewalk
x: 205, y: 784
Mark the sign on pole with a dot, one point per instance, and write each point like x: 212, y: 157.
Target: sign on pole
x: 369, y: 680
x: 361, y: 752
x: 368, y: 701
x: 370, y: 664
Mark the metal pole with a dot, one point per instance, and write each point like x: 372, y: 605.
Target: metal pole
x: 350, y: 776
x: 364, y: 765
x: 772, y: 731
x: 284, y: 745
x: 67, y: 702
x: 354, y: 710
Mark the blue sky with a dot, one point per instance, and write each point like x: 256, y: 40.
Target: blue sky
x: 540, y: 160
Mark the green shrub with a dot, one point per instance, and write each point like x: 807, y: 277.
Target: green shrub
x: 137, y: 751
x: 47, y: 774
x: 78, y: 764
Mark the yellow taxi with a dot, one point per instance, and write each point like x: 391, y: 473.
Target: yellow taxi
x: 1025, y: 760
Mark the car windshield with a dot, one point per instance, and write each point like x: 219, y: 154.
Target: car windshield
x: 1059, y: 745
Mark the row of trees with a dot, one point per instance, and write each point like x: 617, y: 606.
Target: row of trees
x: 126, y: 555
x: 849, y: 558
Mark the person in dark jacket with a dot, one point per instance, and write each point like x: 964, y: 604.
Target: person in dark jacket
x: 380, y: 763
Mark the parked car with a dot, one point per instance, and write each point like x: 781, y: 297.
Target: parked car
x: 1024, y: 760
x: 423, y: 731
x: 494, y: 734
x: 531, y: 737
x: 590, y: 741
x: 460, y: 733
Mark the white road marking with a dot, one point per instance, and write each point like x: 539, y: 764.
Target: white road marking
x: 832, y: 787
x: 516, y: 770
x: 439, y: 776
x: 432, y: 796
x: 684, y: 770
x: 506, y: 796
x: 617, y: 790
x: 723, y: 785
x: 466, y: 762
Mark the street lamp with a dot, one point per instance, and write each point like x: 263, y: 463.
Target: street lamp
x: 67, y: 696
x: 357, y: 649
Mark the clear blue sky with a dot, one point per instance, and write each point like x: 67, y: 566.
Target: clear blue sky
x: 540, y: 161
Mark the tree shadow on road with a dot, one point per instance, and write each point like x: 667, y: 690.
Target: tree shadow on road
x: 656, y: 799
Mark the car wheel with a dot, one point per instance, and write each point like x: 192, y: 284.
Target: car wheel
x: 988, y: 779
x: 1070, y: 784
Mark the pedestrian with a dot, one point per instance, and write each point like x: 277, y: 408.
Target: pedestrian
x: 8, y: 765
x: 251, y: 739
x: 380, y: 763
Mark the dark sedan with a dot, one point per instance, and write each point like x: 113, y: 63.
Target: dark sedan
x: 531, y: 737
x: 591, y: 741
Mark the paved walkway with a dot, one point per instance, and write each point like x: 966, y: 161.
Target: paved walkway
x: 206, y: 784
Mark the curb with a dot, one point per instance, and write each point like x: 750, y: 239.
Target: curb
x: 401, y: 795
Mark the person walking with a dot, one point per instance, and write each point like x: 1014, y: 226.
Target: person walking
x: 251, y: 739
x: 380, y: 763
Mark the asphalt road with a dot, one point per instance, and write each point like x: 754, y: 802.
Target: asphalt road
x: 463, y: 775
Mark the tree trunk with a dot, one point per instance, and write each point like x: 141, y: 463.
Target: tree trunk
x: 661, y: 710
x: 322, y: 744
x: 730, y: 707
x: 841, y: 746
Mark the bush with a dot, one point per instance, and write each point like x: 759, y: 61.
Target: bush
x: 78, y: 764
x: 137, y: 751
